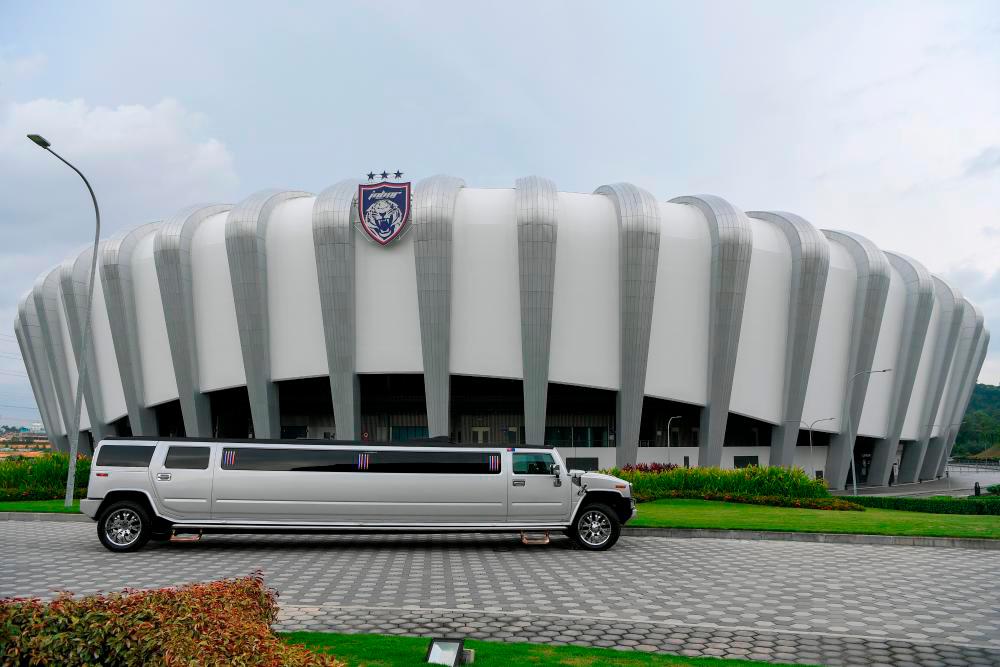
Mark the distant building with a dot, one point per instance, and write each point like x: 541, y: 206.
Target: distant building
x: 609, y: 324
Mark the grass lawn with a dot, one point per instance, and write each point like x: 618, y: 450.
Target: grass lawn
x: 675, y: 513
x: 37, y: 506
x: 388, y: 651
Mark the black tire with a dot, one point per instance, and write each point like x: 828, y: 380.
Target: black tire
x: 124, y: 526
x: 596, y: 527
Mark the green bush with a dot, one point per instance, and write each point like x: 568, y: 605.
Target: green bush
x: 753, y: 481
x: 980, y: 505
x: 830, y: 503
x: 993, y: 490
x: 218, y: 623
x: 41, y: 477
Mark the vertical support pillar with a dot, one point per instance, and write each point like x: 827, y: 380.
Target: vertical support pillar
x: 433, y: 221
x: 870, y: 293
x: 732, y: 247
x: 810, y: 267
x: 638, y: 259
x: 333, y: 237
x: 537, y: 208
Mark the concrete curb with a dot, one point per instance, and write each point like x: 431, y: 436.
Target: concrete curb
x: 710, y: 533
x: 832, y: 538
x: 44, y: 516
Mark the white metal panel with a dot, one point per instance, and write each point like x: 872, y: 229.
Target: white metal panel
x: 585, y: 326
x: 676, y: 368
x: 940, y: 423
x: 160, y: 384
x: 220, y: 358
x: 921, y: 382
x: 297, y: 345
x: 874, y: 420
x: 388, y: 320
x: 824, y: 396
x: 486, y: 301
x: 107, y: 363
x: 758, y: 383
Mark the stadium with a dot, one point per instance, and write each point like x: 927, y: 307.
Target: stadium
x: 614, y: 326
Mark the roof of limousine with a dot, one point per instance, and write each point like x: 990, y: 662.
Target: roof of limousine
x: 426, y: 442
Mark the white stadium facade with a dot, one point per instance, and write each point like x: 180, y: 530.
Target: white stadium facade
x: 612, y: 325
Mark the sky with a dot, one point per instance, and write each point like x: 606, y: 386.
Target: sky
x: 881, y: 118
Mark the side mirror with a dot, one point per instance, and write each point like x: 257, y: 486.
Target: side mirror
x: 555, y: 473
x: 556, y: 470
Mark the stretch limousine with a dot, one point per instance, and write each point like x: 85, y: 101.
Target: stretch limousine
x: 142, y: 489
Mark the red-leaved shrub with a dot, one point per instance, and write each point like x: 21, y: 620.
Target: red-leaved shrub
x: 649, y: 467
x: 224, y: 622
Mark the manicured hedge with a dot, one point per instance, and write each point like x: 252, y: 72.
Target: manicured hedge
x: 831, y: 503
x: 219, y: 623
x: 981, y: 505
x: 41, y: 477
x: 695, y: 482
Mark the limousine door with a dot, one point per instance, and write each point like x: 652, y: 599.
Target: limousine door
x: 535, y: 494
x: 182, y: 481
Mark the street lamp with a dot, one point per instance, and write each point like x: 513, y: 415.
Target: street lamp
x: 668, y: 436
x: 847, y: 413
x: 812, y: 461
x: 73, y: 427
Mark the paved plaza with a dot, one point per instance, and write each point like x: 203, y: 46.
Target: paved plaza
x: 779, y: 601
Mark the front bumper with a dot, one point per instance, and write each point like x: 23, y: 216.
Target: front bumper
x: 89, y: 506
x: 635, y: 511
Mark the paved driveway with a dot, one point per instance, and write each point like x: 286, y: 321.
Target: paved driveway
x: 830, y: 603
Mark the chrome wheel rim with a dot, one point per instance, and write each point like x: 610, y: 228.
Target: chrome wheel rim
x: 122, y: 527
x: 594, y: 528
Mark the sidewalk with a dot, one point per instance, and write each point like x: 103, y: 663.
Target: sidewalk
x: 958, y: 483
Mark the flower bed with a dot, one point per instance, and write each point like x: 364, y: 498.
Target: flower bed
x: 218, y: 623
x: 830, y: 503
x: 654, y: 481
x: 41, y: 477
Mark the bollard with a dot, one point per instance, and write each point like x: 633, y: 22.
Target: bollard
x: 977, y: 489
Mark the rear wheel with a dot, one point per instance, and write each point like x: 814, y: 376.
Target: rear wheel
x: 596, y: 527
x: 124, y: 526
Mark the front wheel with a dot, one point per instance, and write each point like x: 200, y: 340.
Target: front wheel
x: 596, y: 528
x: 125, y: 526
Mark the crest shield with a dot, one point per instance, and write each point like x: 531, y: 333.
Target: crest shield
x: 383, y: 210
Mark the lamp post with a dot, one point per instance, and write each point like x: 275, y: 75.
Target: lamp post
x: 73, y: 426
x: 847, y: 413
x: 668, y: 435
x: 812, y: 461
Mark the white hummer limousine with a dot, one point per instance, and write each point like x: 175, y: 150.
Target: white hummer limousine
x: 142, y: 489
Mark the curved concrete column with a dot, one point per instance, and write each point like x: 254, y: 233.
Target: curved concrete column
x: 28, y: 338
x: 732, y: 247
x: 969, y: 337
x: 74, y: 277
x: 916, y: 318
x: 923, y: 464
x: 333, y: 219
x: 47, y: 304
x: 119, y: 297
x: 810, y: 267
x: 963, y: 405
x: 638, y: 256
x: 172, y: 255
x: 433, y: 218
x: 246, y: 235
x: 537, y: 206
x: 870, y: 294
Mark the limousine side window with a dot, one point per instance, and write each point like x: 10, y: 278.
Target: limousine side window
x: 533, y: 464
x: 320, y: 460
x: 125, y: 456
x: 187, y: 458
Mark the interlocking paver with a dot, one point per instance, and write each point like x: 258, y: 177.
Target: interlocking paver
x: 846, y: 604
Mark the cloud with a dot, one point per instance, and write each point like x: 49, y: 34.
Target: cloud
x: 988, y: 160
x: 144, y: 162
x: 24, y: 67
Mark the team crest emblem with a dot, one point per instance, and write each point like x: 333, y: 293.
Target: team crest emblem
x: 383, y: 210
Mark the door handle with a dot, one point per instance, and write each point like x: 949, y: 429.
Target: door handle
x: 518, y: 482
x: 163, y: 476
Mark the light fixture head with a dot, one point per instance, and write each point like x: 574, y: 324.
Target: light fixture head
x: 40, y: 140
x: 445, y: 651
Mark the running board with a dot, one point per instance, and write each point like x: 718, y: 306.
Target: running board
x: 174, y: 537
x: 534, y: 538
